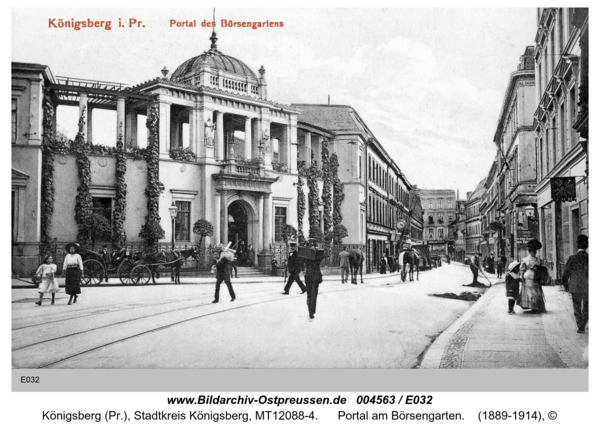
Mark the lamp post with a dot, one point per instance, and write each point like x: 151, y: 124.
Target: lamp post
x: 173, y: 212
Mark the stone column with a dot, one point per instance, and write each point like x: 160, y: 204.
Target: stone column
x: 293, y: 138
x: 220, y: 141
x: 164, y: 128
x: 120, y: 118
x: 307, y: 147
x: 130, y: 138
x: 217, y: 217
x: 36, y: 113
x: 259, y: 245
x: 89, y: 135
x: 248, y: 138
x: 224, y: 218
x: 267, y: 221
x: 83, y: 104
x: 193, y: 131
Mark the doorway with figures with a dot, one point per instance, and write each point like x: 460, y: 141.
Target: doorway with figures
x: 237, y: 231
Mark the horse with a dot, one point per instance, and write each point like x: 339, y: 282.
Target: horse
x: 356, y: 258
x: 170, y: 259
x: 411, y: 258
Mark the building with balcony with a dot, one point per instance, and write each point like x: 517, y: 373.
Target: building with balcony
x: 560, y: 125
x: 226, y: 154
x: 515, y: 165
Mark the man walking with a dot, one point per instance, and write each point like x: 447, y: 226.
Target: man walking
x: 295, y: 265
x: 313, y: 278
x: 474, y: 265
x: 344, y: 264
x: 575, y: 280
x: 223, y: 272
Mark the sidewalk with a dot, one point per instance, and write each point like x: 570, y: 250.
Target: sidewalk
x: 23, y: 283
x: 486, y: 336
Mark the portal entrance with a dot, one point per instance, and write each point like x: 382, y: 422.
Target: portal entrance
x: 237, y: 229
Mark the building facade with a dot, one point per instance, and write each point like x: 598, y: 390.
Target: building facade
x: 473, y: 220
x: 515, y: 164
x: 560, y: 128
x: 225, y: 154
x: 439, y: 215
x: 460, y: 231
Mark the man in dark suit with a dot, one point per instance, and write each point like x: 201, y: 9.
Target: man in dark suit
x: 295, y: 265
x: 575, y: 280
x: 223, y: 273
x: 313, y: 278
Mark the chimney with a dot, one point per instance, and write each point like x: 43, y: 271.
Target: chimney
x: 328, y: 99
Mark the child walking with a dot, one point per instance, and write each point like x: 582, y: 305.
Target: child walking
x: 48, y: 283
x: 513, y: 278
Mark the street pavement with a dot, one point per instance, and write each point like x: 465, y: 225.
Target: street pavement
x: 486, y: 336
x: 383, y: 323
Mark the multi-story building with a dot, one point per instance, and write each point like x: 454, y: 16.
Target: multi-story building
x: 376, y: 191
x: 439, y: 214
x: 516, y: 164
x: 560, y: 125
x: 225, y: 154
x: 460, y: 231
x: 473, y: 220
x: 488, y: 210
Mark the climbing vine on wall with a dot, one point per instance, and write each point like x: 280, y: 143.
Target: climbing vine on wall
x: 338, y: 190
x: 118, y: 228
x: 83, y: 200
x: 301, y: 204
x: 312, y: 174
x: 47, y: 187
x: 326, y: 194
x: 151, y: 230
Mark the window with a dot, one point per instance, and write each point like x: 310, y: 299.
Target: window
x: 13, y: 120
x: 102, y: 206
x: 440, y: 204
x: 431, y: 203
x: 275, y: 149
x: 450, y: 217
x: 440, y: 233
x: 182, y: 221
x: 359, y: 166
x: 449, y: 203
x: 280, y: 222
x: 431, y: 233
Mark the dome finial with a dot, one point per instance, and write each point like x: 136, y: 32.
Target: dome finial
x: 213, y: 38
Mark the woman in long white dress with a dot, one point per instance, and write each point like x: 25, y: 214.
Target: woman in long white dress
x: 532, y: 296
x: 73, y: 268
x: 48, y: 283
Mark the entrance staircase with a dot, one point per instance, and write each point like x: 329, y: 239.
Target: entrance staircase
x: 244, y: 272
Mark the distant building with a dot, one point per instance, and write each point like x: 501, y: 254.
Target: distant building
x: 460, y: 231
x: 473, y: 220
x: 439, y: 214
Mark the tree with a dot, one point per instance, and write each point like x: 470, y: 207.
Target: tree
x: 339, y: 233
x: 338, y: 190
x: 312, y: 175
x: 152, y: 230
x: 326, y: 194
x: 301, y: 207
x: 204, y: 228
x: 99, y: 228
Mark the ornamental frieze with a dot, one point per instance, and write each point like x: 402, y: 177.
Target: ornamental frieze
x: 241, y: 182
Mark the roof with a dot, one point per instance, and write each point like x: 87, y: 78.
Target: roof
x: 330, y: 117
x: 216, y: 61
x: 478, y: 191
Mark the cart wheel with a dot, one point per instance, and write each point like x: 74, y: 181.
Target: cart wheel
x: 140, y: 274
x: 93, y: 272
x: 124, y: 272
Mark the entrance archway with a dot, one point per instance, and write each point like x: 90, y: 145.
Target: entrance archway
x: 237, y: 228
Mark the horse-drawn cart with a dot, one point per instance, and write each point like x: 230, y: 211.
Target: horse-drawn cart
x: 98, y: 266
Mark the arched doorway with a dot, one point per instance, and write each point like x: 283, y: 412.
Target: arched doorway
x: 237, y: 229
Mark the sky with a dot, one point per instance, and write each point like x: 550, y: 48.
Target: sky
x: 429, y: 83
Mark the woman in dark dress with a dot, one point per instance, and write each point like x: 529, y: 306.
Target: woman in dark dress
x: 73, y: 268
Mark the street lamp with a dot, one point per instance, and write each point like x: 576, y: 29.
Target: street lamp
x: 173, y: 212
x: 530, y: 211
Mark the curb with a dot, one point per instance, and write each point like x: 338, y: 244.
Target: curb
x: 434, y: 355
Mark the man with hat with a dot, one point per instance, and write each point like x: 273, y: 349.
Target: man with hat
x: 295, y: 266
x: 575, y: 280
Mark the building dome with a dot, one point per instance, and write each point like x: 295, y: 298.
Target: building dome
x: 216, y: 61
